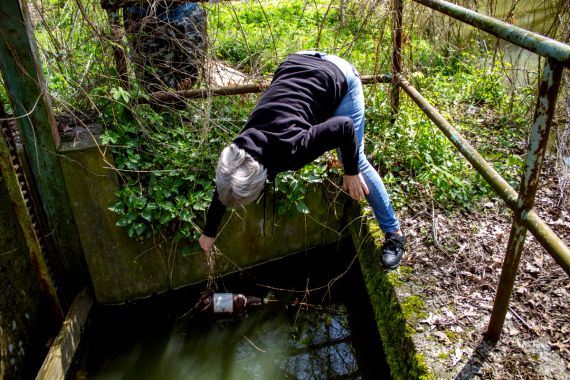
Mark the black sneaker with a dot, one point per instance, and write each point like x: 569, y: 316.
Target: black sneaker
x: 392, y: 251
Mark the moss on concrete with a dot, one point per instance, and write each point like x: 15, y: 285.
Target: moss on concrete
x: 392, y: 315
x: 412, y: 307
x: 452, y: 335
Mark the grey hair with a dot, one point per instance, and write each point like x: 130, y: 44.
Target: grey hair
x: 239, y: 177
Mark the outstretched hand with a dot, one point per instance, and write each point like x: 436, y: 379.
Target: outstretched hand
x: 207, y: 244
x: 354, y: 185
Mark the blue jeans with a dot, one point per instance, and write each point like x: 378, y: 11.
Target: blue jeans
x: 352, y: 105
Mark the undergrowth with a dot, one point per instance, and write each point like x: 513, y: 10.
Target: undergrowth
x: 166, y: 156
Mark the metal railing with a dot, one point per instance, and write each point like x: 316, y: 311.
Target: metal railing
x: 557, y: 56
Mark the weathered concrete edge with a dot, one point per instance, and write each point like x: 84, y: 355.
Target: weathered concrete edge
x: 62, y: 351
x: 392, y: 308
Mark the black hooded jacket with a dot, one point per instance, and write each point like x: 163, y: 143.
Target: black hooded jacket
x: 292, y: 123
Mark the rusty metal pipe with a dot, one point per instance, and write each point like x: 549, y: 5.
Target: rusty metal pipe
x: 550, y: 241
x: 501, y: 187
x: 545, y: 106
x: 534, y: 42
x: 176, y: 96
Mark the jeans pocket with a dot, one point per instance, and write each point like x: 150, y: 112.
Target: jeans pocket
x: 355, y: 72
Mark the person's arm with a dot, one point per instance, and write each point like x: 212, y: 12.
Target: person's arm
x: 336, y: 132
x: 213, y: 218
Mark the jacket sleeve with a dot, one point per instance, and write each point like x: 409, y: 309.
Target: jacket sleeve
x: 336, y: 132
x: 214, y: 216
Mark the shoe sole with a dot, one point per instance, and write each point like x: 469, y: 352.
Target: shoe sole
x: 388, y: 268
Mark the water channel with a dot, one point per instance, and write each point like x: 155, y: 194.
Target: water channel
x: 334, y: 337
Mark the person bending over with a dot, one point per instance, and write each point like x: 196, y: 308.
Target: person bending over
x: 314, y: 104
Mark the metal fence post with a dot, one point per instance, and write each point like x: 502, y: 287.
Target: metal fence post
x: 545, y: 106
x: 398, y: 9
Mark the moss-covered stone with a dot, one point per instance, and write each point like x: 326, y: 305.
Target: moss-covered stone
x: 412, y: 307
x: 391, y: 314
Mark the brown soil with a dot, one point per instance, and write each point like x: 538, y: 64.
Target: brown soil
x: 457, y: 258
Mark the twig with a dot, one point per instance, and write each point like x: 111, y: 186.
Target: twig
x: 513, y: 312
x: 253, y: 344
x: 434, y: 227
x: 9, y: 252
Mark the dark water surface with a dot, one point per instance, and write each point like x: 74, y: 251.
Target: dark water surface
x: 334, y: 338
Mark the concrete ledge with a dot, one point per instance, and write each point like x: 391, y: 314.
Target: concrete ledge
x: 62, y: 351
x: 123, y: 269
x: 392, y: 303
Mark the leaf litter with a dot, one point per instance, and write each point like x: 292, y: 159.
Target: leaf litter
x: 457, y: 258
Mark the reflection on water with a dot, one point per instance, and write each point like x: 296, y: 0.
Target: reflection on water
x: 534, y: 15
x: 269, y: 344
x: 333, y: 338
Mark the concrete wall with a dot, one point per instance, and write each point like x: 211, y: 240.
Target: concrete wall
x: 388, y: 298
x: 122, y: 269
x: 24, y: 318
